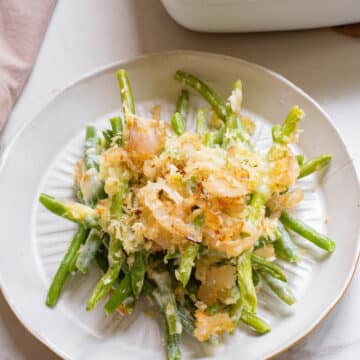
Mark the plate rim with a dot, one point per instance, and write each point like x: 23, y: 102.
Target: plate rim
x: 131, y: 60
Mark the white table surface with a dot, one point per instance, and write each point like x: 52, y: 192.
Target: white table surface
x: 85, y: 34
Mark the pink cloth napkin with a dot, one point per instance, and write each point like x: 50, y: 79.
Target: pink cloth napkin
x: 23, y: 24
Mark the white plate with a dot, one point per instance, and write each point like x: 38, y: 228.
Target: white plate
x: 42, y: 157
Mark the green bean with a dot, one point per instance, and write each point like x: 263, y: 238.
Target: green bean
x: 315, y: 164
x: 171, y: 254
x: 170, y: 311
x: 178, y: 124
x: 300, y: 159
x: 76, y: 212
x: 116, y: 129
x: 182, y: 104
x: 238, y: 93
x: 189, y: 255
x: 235, y: 135
x: 238, y: 85
x: 280, y: 288
x: 103, y: 253
x: 116, y: 255
x: 103, y: 286
x: 117, y: 202
x: 172, y: 341
x: 119, y: 198
x: 255, y: 322
x: 248, y: 298
x: 126, y: 93
x: 91, y: 164
x: 307, y: 232
x: 148, y: 289
x: 103, y: 264
x: 201, y: 123
x: 116, y: 125
x: 116, y: 132
x: 282, y: 134
x: 199, y: 222
x: 212, y: 309
x: 205, y: 91
x: 178, y: 119
x: 232, y: 124
x: 88, y: 251
x: 129, y: 304
x: 285, y: 247
x: 101, y: 261
x: 91, y: 149
x: 234, y: 128
x: 210, y: 139
x: 256, y: 278
x: 261, y: 242
x: 192, y: 287
x: 72, y: 266
x: 187, y: 261
x: 137, y: 273
x: 245, y: 282
x: 116, y: 258
x: 219, y: 135
x: 213, y: 138
x: 63, y: 270
x: 106, y: 242
x: 166, y: 299
x: 259, y: 263
x: 187, y: 319
x: 256, y: 207
x: 232, y: 119
x: 122, y: 292
x: 235, y: 312
x: 107, y: 134
x: 78, y: 193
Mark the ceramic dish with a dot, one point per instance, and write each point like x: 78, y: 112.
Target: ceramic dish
x: 42, y: 157
x: 260, y: 15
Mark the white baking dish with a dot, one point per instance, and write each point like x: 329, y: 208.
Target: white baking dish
x: 261, y: 15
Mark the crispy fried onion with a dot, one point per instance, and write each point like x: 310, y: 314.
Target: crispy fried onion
x: 207, y: 325
x: 224, y: 226
x: 284, y: 168
x: 205, y: 162
x: 155, y: 167
x: 145, y: 138
x: 189, y: 143
x: 230, y: 245
x: 215, y: 281
x: 224, y: 186
x: 115, y: 160
x: 225, y: 192
x: 162, y: 218
x: 278, y: 202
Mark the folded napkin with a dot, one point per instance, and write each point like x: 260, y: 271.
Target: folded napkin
x: 23, y: 24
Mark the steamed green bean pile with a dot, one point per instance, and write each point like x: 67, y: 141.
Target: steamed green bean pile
x: 194, y: 221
